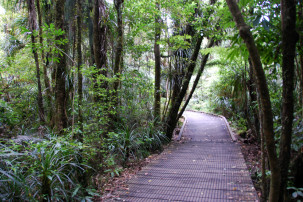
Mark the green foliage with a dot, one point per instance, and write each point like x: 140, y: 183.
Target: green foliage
x: 180, y: 42
x: 297, y: 133
x: 136, y: 94
x: 13, y: 40
x: 134, y: 142
x: 229, y: 90
x: 47, y: 169
x: 51, y: 41
x: 296, y: 192
x: 18, y: 79
x: 8, y: 115
x: 18, y: 110
x: 134, y: 135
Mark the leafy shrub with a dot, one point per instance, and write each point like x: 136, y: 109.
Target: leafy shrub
x: 134, y: 142
x: 47, y: 170
x: 297, y: 143
x: 8, y: 115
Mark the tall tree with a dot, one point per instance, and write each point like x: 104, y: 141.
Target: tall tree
x: 100, y: 42
x: 278, y: 166
x: 253, y: 99
x: 181, y: 57
x: 289, y: 40
x: 100, y: 21
x: 60, y: 71
x: 173, y: 112
x: 157, y: 93
x: 119, y: 49
x: 200, y: 71
x: 90, y: 25
x: 258, y: 127
x: 33, y: 25
x: 300, y: 51
x: 79, y: 66
x: 246, y: 35
x: 44, y: 63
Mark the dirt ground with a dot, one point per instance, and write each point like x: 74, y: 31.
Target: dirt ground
x: 252, y: 155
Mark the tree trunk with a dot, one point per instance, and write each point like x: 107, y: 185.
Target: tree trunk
x: 49, y: 82
x: 79, y: 64
x: 119, y: 49
x: 168, y: 90
x: 202, y: 66
x: 180, y: 58
x: 289, y: 40
x: 32, y: 23
x: 100, y: 19
x: 90, y: 32
x: 300, y: 51
x: 176, y: 87
x: 263, y: 168
x: 301, y: 77
x: 267, y: 121
x: 157, y: 93
x: 48, y: 18
x: 253, y: 100
x: 60, y: 92
x: 46, y: 79
x: 100, y: 43
x: 258, y: 129
x: 264, y: 184
x: 173, y: 112
x: 82, y: 177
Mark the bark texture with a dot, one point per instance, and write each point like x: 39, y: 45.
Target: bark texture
x: 251, y: 86
x: 60, y: 73
x: 33, y: 26
x: 90, y: 25
x: 100, y: 43
x: 267, y: 121
x: 79, y: 66
x: 301, y: 75
x: 119, y: 49
x: 289, y: 40
x: 44, y: 63
x: 258, y: 125
x: 157, y: 93
x: 300, y: 50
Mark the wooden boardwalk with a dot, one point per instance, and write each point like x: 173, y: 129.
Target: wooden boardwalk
x: 208, y: 167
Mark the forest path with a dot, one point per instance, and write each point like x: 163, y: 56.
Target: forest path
x: 208, y: 167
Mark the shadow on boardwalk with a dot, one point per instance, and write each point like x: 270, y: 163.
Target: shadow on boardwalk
x: 209, y: 167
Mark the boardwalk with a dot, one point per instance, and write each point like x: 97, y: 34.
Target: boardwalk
x: 209, y: 167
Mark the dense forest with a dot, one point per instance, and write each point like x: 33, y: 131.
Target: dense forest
x: 90, y: 87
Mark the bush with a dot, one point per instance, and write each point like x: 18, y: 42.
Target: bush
x: 134, y: 142
x: 47, y: 170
